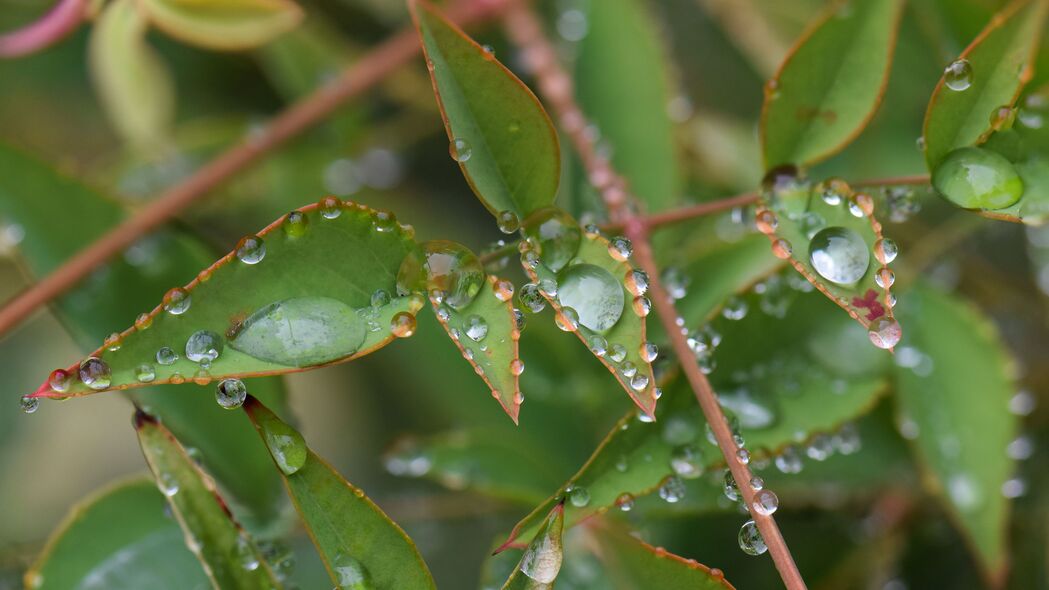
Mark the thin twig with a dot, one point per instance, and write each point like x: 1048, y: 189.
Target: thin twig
x: 302, y: 115
x: 524, y: 29
x: 63, y: 18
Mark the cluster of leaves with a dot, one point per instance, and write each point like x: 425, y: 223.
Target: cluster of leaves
x: 334, y: 281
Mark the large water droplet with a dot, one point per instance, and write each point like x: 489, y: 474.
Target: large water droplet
x: 29, y: 404
x: 579, y: 497
x: 593, y: 293
x: 301, y: 332
x: 460, y: 150
x: 839, y: 255
x: 885, y: 332
x: 402, y: 325
x: 531, y: 298
x: 977, y: 178
x: 286, y: 445
x: 542, y: 560
x: 251, y: 250
x: 750, y: 540
x: 177, y: 301
x: 446, y: 267
x: 958, y: 75
x: 231, y: 393
x: 508, y: 222
x: 556, y: 235
x: 95, y: 373
x: 203, y: 347
x: 59, y: 380
x: 351, y: 574
x: 166, y: 356
x: 765, y: 502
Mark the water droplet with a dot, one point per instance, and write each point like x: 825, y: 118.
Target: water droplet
x: 285, y: 444
x: 29, y: 404
x: 504, y: 290
x: 672, y: 490
x: 251, y: 250
x: 555, y: 234
x: 617, y: 353
x: 166, y: 356
x: 675, y: 282
x: 542, y: 560
x: 620, y: 248
x: 765, y: 502
x: 743, y: 455
x: 112, y: 342
x: 754, y: 409
x: 567, y: 320
x: 735, y: 308
x: 350, y: 574
x: 95, y: 373
x: 295, y: 224
x: 686, y: 461
x: 885, y: 332
x: 531, y: 298
x: 402, y: 325
x: 625, y: 502
x: 548, y: 287
x: 145, y: 373
x: 476, y: 328
x: 885, y: 250
x: 231, y: 393
x: 59, y: 380
x: 203, y: 347
x: 958, y: 75
x: 167, y: 483
x: 834, y: 191
x: 729, y: 487
x: 460, y: 150
x: 1002, y: 118
x: 519, y: 323
x: 977, y: 178
x: 766, y: 221
x: 756, y: 483
x: 301, y: 332
x: 782, y: 249
x: 636, y: 282
x: 579, y: 497
x: 639, y: 382
x: 839, y: 255
x: 820, y: 447
x: 444, y: 266
x: 330, y: 207
x: 384, y: 221
x: 750, y: 540
x: 593, y: 293
x: 884, y: 278
x: 517, y: 366
x: 177, y: 301
x: 704, y: 340
x: 648, y: 352
x: 246, y: 555
x: 789, y: 460
x: 629, y: 369
x: 642, y: 306
x: 143, y: 321
x: 508, y: 222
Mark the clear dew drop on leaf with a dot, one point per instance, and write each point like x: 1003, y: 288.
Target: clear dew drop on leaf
x: 595, y: 295
x: 978, y: 178
x: 301, y: 332
x: 839, y: 255
x: 445, y: 267
x: 231, y: 393
x: 555, y: 234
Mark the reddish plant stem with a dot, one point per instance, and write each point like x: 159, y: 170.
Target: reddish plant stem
x: 525, y: 30
x: 61, y: 20
x: 302, y: 115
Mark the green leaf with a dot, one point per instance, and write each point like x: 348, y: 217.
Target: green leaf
x: 623, y: 86
x: 1000, y: 59
x: 832, y: 237
x: 956, y: 401
x: 316, y: 292
x: 600, y: 280
x: 486, y: 332
x: 223, y: 24
x: 541, y: 561
x: 133, y: 82
x: 360, y: 545
x: 507, y: 146
x: 225, y: 551
x: 828, y: 88
x: 633, y: 564
x: 721, y: 271
x: 804, y: 374
x: 119, y: 539
x: 29, y: 196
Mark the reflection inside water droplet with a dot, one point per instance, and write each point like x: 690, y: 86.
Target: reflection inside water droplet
x: 301, y: 332
x: 595, y: 295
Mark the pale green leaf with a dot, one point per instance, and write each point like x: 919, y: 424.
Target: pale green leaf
x: 223, y: 24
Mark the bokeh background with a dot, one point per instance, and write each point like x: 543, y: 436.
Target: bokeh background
x: 389, y: 150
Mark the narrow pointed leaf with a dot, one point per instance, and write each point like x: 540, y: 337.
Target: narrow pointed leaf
x: 486, y: 332
x: 227, y: 553
x: 541, y: 561
x: 29, y: 196
x: 600, y: 281
x: 359, y: 544
x: 957, y: 401
x: 133, y: 82
x: 118, y: 539
x: 508, y: 148
x: 633, y: 564
x: 999, y: 62
x: 223, y: 24
x: 309, y: 296
x: 799, y: 376
x: 827, y: 90
x: 624, y: 88
x: 830, y: 235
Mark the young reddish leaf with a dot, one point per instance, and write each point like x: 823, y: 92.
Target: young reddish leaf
x: 827, y: 90
x: 633, y: 564
x: 225, y: 551
x: 623, y: 86
x: 502, y: 138
x: 831, y: 236
x: 812, y: 371
x: 133, y: 82
x: 223, y: 24
x: 596, y: 295
x: 541, y: 561
x: 312, y: 289
x: 988, y: 75
x: 359, y: 544
x: 957, y: 401
x: 486, y: 332
x: 120, y: 537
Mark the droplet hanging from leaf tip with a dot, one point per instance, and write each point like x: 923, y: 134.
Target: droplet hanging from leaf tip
x: 231, y: 393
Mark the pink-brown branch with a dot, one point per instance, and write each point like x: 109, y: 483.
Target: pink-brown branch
x: 60, y: 21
